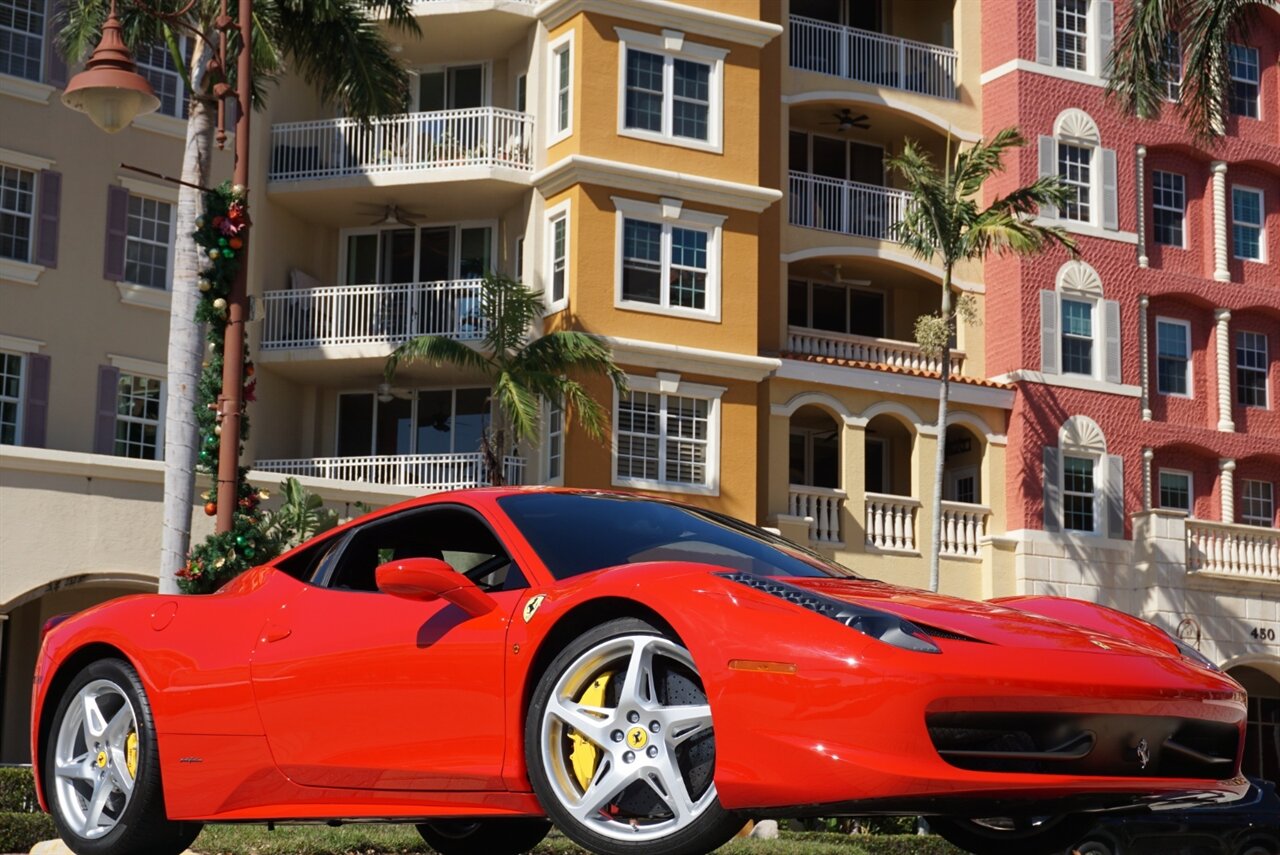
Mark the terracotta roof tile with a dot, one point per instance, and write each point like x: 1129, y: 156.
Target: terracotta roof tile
x: 892, y: 369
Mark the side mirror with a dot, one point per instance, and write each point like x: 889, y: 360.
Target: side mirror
x: 429, y: 579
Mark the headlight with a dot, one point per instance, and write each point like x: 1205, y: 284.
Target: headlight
x: 881, y: 626
x: 1194, y: 655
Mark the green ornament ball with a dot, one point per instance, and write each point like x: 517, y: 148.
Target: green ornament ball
x: 240, y: 540
x: 248, y: 552
x: 204, y: 455
x: 226, y: 253
x: 222, y: 241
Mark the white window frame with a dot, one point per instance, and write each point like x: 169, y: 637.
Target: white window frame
x: 955, y: 476
x: 670, y: 385
x: 522, y: 93
x: 43, y: 9
x: 1173, y: 85
x: 1181, y: 192
x: 455, y: 260
x: 169, y: 248
x: 1096, y: 368
x: 671, y: 213
x: 851, y: 287
x: 181, y: 98
x: 1185, y: 326
x: 1088, y: 36
x: 1256, y: 83
x: 1248, y: 519
x: 557, y: 214
x: 31, y: 216
x: 20, y: 399
x: 127, y: 370
x: 1264, y: 370
x: 564, y: 45
x: 1261, y: 225
x: 1098, y: 489
x: 415, y: 85
x: 1191, y: 490
x: 1093, y: 185
x: 518, y: 265
x: 672, y: 45
x: 554, y: 434
x: 413, y: 417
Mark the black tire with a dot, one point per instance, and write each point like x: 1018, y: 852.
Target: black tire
x: 484, y: 836
x: 1095, y: 846
x: 142, y: 826
x: 1046, y: 836
x: 704, y: 832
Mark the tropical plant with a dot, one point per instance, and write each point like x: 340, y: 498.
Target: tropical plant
x: 336, y: 45
x: 522, y: 373
x: 1138, y: 72
x: 301, y: 516
x: 943, y: 223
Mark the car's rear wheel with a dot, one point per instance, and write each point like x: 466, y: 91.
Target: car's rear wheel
x: 1022, y: 835
x: 620, y: 747
x: 102, y: 768
x: 484, y: 836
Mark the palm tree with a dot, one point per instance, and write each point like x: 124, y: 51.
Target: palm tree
x: 943, y: 223
x: 1206, y: 28
x: 521, y: 373
x: 337, y: 46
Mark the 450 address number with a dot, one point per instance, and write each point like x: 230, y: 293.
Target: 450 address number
x: 1262, y: 633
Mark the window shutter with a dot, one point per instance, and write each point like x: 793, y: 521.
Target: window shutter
x: 1110, y: 208
x: 1111, y: 332
x: 1044, y: 32
x: 1052, y: 491
x: 117, y: 231
x: 1049, y: 332
x: 50, y: 210
x: 35, y: 403
x: 1106, y: 35
x: 1048, y: 167
x: 55, y: 67
x: 1115, y: 496
x: 104, y: 428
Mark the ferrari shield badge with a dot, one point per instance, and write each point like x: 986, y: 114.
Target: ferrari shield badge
x: 531, y: 607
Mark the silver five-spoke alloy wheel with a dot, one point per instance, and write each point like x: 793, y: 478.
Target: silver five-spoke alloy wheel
x: 96, y: 759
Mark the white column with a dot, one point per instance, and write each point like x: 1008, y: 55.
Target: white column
x: 1220, y: 271
x: 1143, y: 261
x: 1227, y: 485
x: 1223, y: 336
x: 1144, y: 363
x: 1147, y: 456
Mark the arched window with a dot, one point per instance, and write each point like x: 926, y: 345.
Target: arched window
x: 1083, y: 484
x: 1079, y: 331
x: 1075, y: 154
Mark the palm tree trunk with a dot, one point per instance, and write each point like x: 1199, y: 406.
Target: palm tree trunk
x: 944, y: 393
x: 186, y: 349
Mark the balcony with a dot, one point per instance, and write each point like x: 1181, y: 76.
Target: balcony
x: 964, y: 526
x: 873, y: 58
x: 860, y: 348
x: 370, y: 314
x: 427, y: 472
x: 1237, y: 551
x: 847, y: 207
x: 890, y: 523
x: 823, y: 506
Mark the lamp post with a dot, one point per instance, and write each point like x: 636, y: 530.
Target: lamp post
x: 112, y: 93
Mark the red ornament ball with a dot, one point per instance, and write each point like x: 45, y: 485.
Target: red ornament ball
x: 210, y: 508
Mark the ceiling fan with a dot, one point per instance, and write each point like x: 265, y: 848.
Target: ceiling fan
x: 387, y: 393
x: 393, y: 215
x: 847, y: 121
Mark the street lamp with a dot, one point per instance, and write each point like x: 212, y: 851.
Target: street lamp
x: 110, y: 90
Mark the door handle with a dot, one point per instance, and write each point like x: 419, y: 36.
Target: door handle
x: 275, y: 632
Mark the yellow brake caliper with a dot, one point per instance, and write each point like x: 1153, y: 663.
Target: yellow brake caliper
x: 131, y: 754
x: 585, y: 756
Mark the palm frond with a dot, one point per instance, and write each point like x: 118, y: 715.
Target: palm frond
x: 569, y: 350
x: 580, y: 407
x: 1136, y: 70
x: 436, y: 349
x: 510, y: 310
x: 974, y: 165
x: 519, y: 405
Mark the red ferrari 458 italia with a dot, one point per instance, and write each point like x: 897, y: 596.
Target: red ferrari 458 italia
x: 643, y: 674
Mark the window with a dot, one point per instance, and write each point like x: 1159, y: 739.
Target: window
x: 520, y: 258
x: 522, y: 93
x: 1243, y: 96
x: 668, y: 259
x: 1257, y: 505
x: 1171, y: 61
x: 1071, y: 34
x: 1251, y: 369
x: 1074, y: 167
x: 1173, y: 357
x: 557, y: 287
x: 844, y: 308
x: 436, y: 253
x: 147, y: 245
x: 17, y: 212
x: 1246, y: 223
x: 403, y: 422
x: 1175, y: 490
x: 1077, y: 337
x: 157, y: 66
x: 670, y: 90
x: 10, y: 398
x: 22, y: 38
x: 667, y: 435
x: 457, y: 87
x: 1078, y: 494
x: 561, y: 88
x: 555, y: 442
x: 139, y: 402
x: 1168, y: 203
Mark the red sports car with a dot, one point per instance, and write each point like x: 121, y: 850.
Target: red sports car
x: 641, y: 673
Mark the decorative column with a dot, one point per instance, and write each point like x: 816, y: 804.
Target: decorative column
x: 1227, y: 485
x: 1220, y: 271
x: 1144, y: 362
x: 1223, y: 335
x: 1147, y: 456
x: 1141, y: 177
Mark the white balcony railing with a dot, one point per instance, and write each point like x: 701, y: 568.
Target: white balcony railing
x: 861, y: 348
x: 823, y: 506
x: 332, y: 148
x: 873, y: 58
x: 1244, y: 551
x: 963, y: 527
x: 848, y: 207
x: 371, y: 314
x: 891, y: 522
x: 432, y: 472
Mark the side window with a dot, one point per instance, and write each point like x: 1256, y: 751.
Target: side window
x: 453, y: 534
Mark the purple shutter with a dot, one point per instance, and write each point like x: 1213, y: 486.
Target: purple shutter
x: 35, y: 403
x: 50, y: 209
x: 55, y: 67
x: 104, y: 428
x: 117, y: 230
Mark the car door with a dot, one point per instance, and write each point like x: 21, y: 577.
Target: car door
x: 357, y: 688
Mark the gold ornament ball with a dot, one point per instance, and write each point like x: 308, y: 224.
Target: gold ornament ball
x: 220, y: 304
x: 213, y: 253
x: 238, y: 189
x: 205, y: 285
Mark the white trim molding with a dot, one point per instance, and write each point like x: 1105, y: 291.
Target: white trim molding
x: 1088, y: 230
x: 892, y: 383
x: 692, y: 360
x: 665, y: 384
x: 557, y: 212
x: 151, y: 189
x: 144, y: 296
x: 159, y: 123
x: 670, y: 213
x: 26, y: 90
x: 672, y: 45
x: 561, y: 44
x: 23, y: 160
x: 21, y: 272
x: 583, y: 169
x: 1070, y: 381
x: 993, y: 74
x: 133, y: 365
x: 18, y: 344
x: 663, y: 13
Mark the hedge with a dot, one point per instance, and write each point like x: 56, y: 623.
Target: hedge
x: 17, y: 791
x: 20, y: 831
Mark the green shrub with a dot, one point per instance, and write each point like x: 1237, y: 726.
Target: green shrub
x: 20, y: 831
x: 17, y: 791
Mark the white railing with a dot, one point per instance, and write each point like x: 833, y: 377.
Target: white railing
x: 873, y: 58
x: 848, y: 207
x: 861, y: 348
x: 891, y: 522
x: 963, y: 527
x: 823, y: 506
x: 434, y: 472
x: 1245, y: 551
x: 331, y: 148
x: 371, y: 314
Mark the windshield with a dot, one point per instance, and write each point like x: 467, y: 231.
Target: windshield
x: 575, y: 533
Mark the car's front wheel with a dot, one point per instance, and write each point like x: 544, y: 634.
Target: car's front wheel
x: 484, y: 836
x: 1028, y: 835
x: 102, y: 768
x: 620, y: 747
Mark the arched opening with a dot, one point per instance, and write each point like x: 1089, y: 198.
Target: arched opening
x: 1262, y: 737
x: 962, y: 471
x: 887, y: 455
x: 814, y: 456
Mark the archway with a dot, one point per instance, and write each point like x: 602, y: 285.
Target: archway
x: 1262, y: 738
x: 814, y: 448
x: 961, y: 473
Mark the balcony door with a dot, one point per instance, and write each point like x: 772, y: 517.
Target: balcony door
x: 411, y: 422
x: 836, y: 157
x: 455, y: 87
x: 439, y: 253
x: 863, y: 14
x: 839, y: 308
